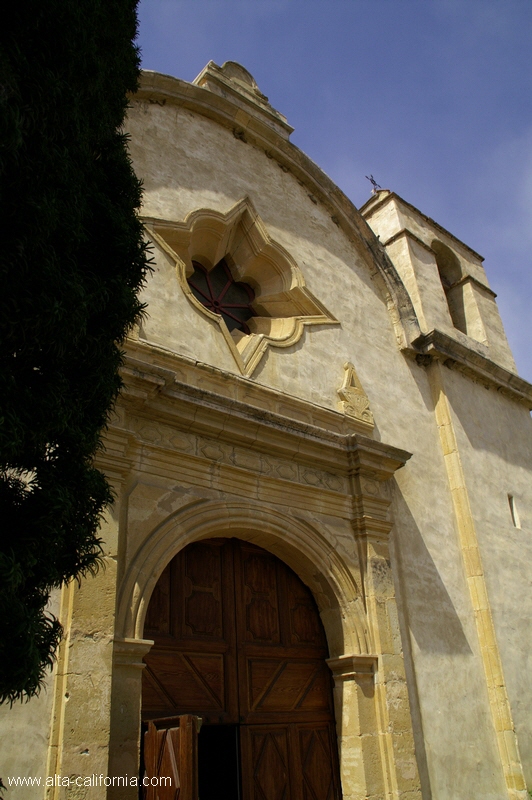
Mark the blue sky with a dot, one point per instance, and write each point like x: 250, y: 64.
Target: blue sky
x: 432, y: 97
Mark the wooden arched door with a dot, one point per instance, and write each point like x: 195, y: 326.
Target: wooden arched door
x: 239, y: 642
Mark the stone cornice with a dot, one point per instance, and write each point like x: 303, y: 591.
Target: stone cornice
x: 156, y: 392
x: 405, y: 233
x: 374, y: 459
x: 160, y: 366
x: 476, y: 282
x: 456, y: 356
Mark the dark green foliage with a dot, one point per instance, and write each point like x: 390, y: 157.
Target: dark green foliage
x: 71, y: 263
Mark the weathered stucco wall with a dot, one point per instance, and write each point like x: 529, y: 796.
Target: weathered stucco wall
x: 494, y: 438
x: 25, y: 735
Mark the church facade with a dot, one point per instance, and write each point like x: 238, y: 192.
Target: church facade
x: 321, y: 539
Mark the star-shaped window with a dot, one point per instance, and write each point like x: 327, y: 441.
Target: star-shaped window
x: 241, y: 279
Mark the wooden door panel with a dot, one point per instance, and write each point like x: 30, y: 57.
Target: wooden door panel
x: 193, y: 598
x: 155, y: 700
x: 286, y: 674
x: 286, y: 685
x: 161, y: 757
x: 259, y: 591
x: 203, y: 580
x: 304, y: 622
x: 318, y: 691
x: 186, y: 681
x: 265, y: 763
x: 192, y: 666
x: 171, y: 756
x: 238, y: 639
x: 317, y: 757
x: 289, y: 761
x: 157, y: 621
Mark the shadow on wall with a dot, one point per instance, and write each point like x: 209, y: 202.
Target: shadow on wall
x: 491, y: 421
x: 485, y: 415
x: 429, y: 610
x: 418, y: 588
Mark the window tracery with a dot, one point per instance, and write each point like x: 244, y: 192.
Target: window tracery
x: 218, y: 291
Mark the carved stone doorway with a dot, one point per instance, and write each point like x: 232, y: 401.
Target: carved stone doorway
x: 239, y: 642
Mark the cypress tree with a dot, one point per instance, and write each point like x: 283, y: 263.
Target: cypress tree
x: 72, y: 261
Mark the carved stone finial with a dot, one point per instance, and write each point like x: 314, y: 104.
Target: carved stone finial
x: 240, y: 75
x: 235, y: 84
x: 354, y: 401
